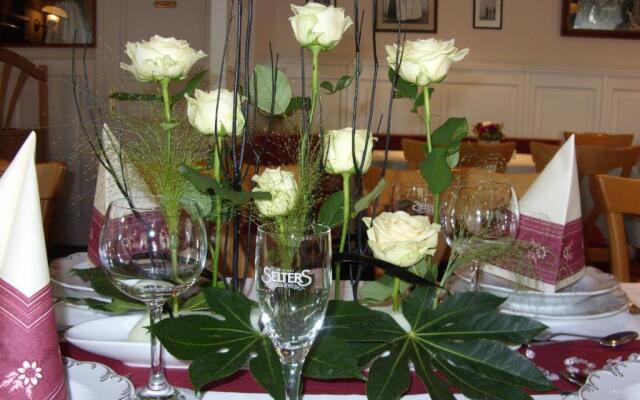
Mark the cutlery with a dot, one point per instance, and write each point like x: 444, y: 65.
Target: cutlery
x: 613, y: 340
x: 576, y: 378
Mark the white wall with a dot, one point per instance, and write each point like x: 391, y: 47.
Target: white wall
x: 526, y: 75
x: 118, y: 21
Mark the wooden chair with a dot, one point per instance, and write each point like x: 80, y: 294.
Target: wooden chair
x: 4, y: 164
x: 413, y: 152
x: 491, y: 156
x: 619, y: 196
x: 519, y: 181
x: 50, y: 180
x: 601, y: 139
x: 592, y: 161
x: 11, y: 138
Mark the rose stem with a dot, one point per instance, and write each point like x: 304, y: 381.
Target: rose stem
x: 345, y: 226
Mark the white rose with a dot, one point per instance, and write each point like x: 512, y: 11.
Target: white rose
x: 283, y: 188
x: 424, y: 61
x: 338, y: 154
x: 315, y: 24
x: 400, y: 238
x: 160, y: 58
x: 202, y: 108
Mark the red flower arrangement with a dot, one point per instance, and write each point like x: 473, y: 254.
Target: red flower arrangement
x: 488, y: 131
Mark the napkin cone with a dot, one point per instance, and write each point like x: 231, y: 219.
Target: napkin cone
x: 107, y: 190
x: 551, y: 219
x: 30, y: 361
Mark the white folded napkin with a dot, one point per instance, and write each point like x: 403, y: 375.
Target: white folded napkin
x: 107, y: 190
x: 31, y: 364
x: 550, y: 217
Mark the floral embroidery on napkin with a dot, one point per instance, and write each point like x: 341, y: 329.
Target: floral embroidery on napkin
x: 25, y: 377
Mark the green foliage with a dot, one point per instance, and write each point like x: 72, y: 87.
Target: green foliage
x: 406, y: 90
x: 363, y: 203
x: 103, y: 286
x: 298, y: 103
x: 342, y: 83
x: 459, y: 339
x: 222, y: 344
x: 331, y: 211
x: 262, y: 81
x: 188, y: 89
x: 380, y: 290
x: 446, y: 140
x: 205, y: 183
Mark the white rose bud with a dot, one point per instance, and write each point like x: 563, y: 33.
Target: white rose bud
x: 283, y: 188
x: 400, y: 238
x: 338, y: 154
x: 315, y: 24
x: 160, y: 58
x: 424, y: 61
x: 201, y: 110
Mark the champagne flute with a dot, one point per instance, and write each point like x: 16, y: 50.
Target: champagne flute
x: 153, y: 248
x: 480, y: 212
x: 293, y: 278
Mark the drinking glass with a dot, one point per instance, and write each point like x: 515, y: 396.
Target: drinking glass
x: 153, y: 248
x: 293, y: 278
x: 477, y: 213
x: 414, y: 199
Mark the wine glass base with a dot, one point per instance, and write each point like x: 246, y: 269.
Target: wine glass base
x: 172, y: 394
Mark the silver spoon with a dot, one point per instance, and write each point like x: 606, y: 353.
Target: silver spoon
x: 612, y: 340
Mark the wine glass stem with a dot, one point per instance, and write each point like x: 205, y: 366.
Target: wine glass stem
x: 157, y: 381
x: 292, y: 373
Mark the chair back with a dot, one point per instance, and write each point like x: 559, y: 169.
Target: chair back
x: 491, y: 156
x: 50, y: 180
x: 413, y: 152
x: 601, y: 139
x: 11, y: 138
x: 618, y: 196
x: 519, y: 181
x: 4, y: 164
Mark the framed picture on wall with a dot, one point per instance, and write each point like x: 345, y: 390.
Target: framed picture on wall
x: 602, y: 18
x: 48, y: 23
x: 487, y: 14
x: 325, y: 2
x: 413, y: 15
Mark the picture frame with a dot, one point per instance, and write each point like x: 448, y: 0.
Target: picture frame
x: 37, y: 23
x: 605, y: 19
x: 487, y: 14
x: 416, y: 15
x: 325, y: 2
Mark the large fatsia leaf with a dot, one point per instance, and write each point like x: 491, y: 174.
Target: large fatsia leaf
x: 453, y: 343
x: 332, y: 358
x: 267, y: 370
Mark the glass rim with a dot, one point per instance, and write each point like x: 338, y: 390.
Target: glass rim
x: 265, y: 230
x: 122, y: 203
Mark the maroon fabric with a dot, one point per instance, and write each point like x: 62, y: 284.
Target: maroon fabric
x: 30, y: 360
x: 549, y: 356
x: 97, y: 220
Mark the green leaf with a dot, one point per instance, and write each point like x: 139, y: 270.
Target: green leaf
x: 197, y: 302
x: 328, y: 86
x: 202, y: 199
x: 363, y: 203
x: 102, y: 284
x: 216, y: 366
x: 190, y: 87
x: 423, y: 364
x: 332, y: 358
x: 265, y: 99
x: 331, y: 211
x: 205, y: 183
x: 341, y: 84
x: 417, y: 308
x: 116, y: 306
x: 354, y: 322
x: 367, y: 351
x: 403, y: 89
x: 167, y: 126
x: 122, y: 96
x: 380, y: 290
x: 267, y: 370
x: 298, y: 103
x: 435, y: 170
x: 389, y: 377
x: 452, y: 131
x: 233, y: 306
x: 492, y: 359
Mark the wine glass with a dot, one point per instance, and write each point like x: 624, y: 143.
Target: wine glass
x: 412, y: 198
x: 293, y: 278
x: 477, y: 213
x: 153, y: 248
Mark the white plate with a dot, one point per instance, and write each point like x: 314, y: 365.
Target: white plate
x: 109, y: 337
x: 593, y: 283
x: 618, y: 382
x: 69, y: 314
x: 94, y: 381
x: 68, y: 284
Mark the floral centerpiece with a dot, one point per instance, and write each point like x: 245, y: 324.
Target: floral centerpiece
x: 451, y: 339
x: 488, y: 131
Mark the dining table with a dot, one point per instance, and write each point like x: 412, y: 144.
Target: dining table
x: 551, y: 357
